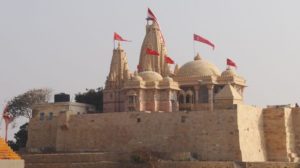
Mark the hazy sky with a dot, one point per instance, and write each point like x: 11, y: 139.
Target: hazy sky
x: 67, y: 45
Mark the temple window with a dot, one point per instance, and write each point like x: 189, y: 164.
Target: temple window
x: 50, y: 116
x: 131, y: 100
x: 42, y: 116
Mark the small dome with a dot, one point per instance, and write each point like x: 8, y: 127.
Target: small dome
x: 168, y: 79
x: 150, y: 76
x: 228, y: 72
x: 198, y: 67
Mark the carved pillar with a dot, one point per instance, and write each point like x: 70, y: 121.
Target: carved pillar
x: 196, y: 94
x: 155, y: 100
x: 210, y: 88
x: 139, y: 100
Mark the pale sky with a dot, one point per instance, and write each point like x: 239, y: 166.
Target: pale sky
x: 67, y: 45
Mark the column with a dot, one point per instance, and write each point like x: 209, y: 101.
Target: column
x: 196, y: 94
x: 155, y: 107
x: 210, y: 88
x: 196, y: 103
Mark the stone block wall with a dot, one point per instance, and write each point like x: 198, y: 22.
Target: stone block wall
x: 213, y: 136
x: 251, y: 135
x: 216, y: 135
x: 275, y: 133
x: 295, y: 119
x: 42, y: 135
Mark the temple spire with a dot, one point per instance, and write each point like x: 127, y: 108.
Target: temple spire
x: 119, y: 71
x: 154, y: 40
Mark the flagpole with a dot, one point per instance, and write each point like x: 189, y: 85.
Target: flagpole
x: 194, y: 47
x: 6, y: 129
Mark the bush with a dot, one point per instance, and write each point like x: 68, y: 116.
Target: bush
x: 137, y: 159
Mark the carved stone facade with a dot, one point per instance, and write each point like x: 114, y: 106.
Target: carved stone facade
x: 197, y: 85
x: 203, y: 87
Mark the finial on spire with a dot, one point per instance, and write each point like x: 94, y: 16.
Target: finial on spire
x: 197, y: 57
x: 119, y: 46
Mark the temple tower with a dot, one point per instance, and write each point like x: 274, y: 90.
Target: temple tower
x: 118, y: 69
x: 118, y: 74
x: 153, y: 40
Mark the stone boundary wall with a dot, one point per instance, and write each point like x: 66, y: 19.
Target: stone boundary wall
x: 279, y: 134
x: 295, y: 120
x: 250, y: 124
x: 275, y: 135
x: 212, y: 135
x: 218, y: 135
x: 42, y: 135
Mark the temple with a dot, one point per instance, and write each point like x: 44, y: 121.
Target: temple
x: 194, y: 111
x: 196, y: 85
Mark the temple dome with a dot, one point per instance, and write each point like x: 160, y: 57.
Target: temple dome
x: 150, y: 76
x: 228, y: 72
x: 198, y: 67
x: 168, y: 79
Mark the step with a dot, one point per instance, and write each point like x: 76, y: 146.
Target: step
x: 102, y: 164
x: 75, y: 157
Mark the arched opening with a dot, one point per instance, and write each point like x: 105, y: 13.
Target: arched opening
x: 181, y: 99
x: 188, y: 99
x: 132, y: 100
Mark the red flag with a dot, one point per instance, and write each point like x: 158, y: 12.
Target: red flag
x: 119, y: 38
x: 203, y: 40
x: 151, y: 52
x: 151, y: 15
x: 169, y: 60
x: 231, y: 63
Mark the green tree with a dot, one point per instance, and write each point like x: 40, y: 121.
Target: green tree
x: 22, y: 104
x: 21, y: 138
x: 93, y: 97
